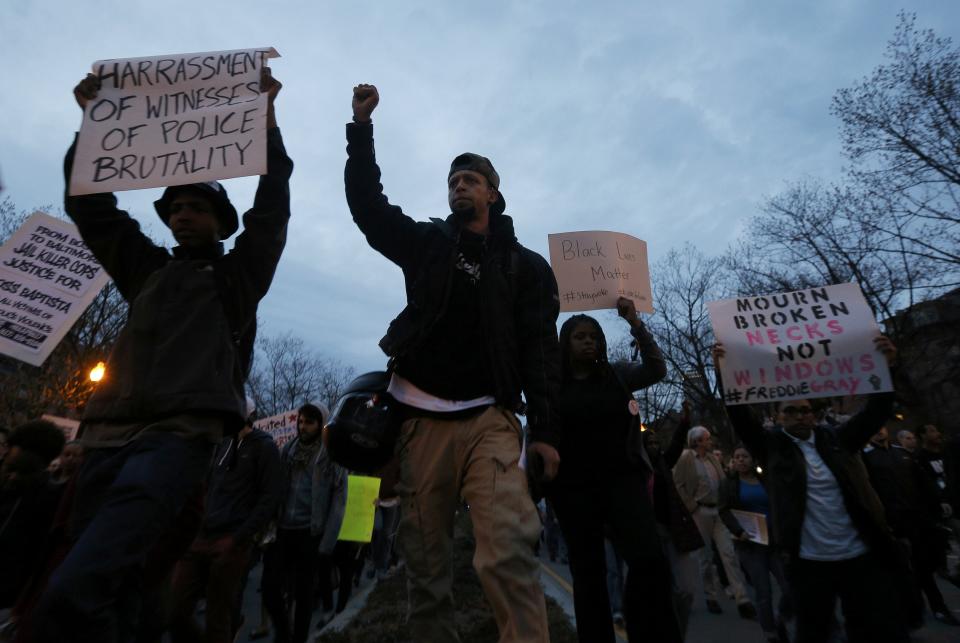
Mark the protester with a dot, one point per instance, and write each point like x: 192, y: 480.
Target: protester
x: 479, y: 328
x: 28, y: 503
x: 826, y: 517
x: 697, y: 475
x: 606, y: 482
x: 907, y: 440
x: 244, y: 487
x: 174, y: 384
x: 935, y: 458
x: 385, y: 524
x: 912, y: 506
x: 312, y: 509
x: 745, y: 490
x: 71, y: 460
x: 679, y: 535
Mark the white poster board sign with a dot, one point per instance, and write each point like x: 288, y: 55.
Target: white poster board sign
x: 808, y: 343
x: 173, y: 120
x: 754, y: 524
x: 48, y: 277
x: 282, y: 427
x: 594, y: 268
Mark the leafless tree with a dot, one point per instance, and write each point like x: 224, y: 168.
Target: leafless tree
x: 61, y: 385
x: 900, y: 128
x: 286, y: 374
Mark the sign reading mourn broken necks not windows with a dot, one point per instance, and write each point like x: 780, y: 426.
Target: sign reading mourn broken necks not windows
x: 173, y: 120
x: 803, y: 344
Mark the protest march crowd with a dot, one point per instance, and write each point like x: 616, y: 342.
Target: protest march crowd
x: 169, y: 496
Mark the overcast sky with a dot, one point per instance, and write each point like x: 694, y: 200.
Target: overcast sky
x: 670, y: 123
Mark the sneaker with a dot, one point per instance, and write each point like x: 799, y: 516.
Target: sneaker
x: 618, y: 620
x: 946, y: 617
x: 714, y: 607
x: 747, y: 610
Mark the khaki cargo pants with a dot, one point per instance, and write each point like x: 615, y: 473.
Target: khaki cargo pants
x: 476, y: 458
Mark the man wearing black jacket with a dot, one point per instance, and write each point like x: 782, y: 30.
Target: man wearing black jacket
x: 479, y: 328
x: 244, y: 487
x: 174, y: 379
x: 826, y: 516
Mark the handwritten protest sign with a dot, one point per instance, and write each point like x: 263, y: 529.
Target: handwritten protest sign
x: 808, y: 343
x: 357, y: 525
x: 594, y: 268
x: 172, y: 120
x: 754, y: 524
x: 48, y: 277
x: 282, y: 427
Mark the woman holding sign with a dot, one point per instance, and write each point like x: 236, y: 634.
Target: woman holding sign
x: 606, y: 481
x: 745, y: 510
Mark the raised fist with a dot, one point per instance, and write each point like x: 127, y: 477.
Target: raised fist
x: 365, y: 99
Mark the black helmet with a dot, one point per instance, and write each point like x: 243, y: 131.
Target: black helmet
x: 363, y: 427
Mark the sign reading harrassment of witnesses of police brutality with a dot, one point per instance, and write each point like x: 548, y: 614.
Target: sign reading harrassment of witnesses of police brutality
x: 808, y: 343
x: 594, y: 268
x: 173, y: 120
x: 48, y: 277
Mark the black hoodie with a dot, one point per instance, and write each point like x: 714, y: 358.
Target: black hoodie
x: 244, y: 488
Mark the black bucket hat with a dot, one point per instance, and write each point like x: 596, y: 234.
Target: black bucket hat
x: 481, y: 164
x: 214, y: 190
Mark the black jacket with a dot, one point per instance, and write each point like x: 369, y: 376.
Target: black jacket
x: 193, y: 314
x: 785, y: 469
x: 244, y: 488
x: 520, y: 304
x: 909, y: 499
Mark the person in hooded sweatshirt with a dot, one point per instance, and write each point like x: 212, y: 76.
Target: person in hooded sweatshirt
x: 244, y: 488
x: 174, y: 379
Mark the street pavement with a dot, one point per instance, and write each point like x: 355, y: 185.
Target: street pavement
x: 728, y: 627
x: 703, y: 628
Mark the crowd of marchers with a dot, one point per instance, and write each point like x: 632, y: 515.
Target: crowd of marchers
x: 169, y: 497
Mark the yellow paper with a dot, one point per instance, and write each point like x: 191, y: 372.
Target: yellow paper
x: 362, y: 492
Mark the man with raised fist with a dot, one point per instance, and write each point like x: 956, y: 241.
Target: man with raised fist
x: 479, y: 327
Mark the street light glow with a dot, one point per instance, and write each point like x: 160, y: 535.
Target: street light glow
x: 97, y: 372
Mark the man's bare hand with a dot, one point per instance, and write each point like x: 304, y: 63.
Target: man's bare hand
x: 365, y: 100
x: 551, y: 459
x: 271, y: 87
x: 885, y: 346
x: 86, y: 90
x: 719, y: 352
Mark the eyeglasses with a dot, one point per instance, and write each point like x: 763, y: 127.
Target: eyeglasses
x: 797, y: 410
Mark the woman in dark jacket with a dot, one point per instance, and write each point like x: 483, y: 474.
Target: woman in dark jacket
x: 606, y: 481
x: 745, y: 491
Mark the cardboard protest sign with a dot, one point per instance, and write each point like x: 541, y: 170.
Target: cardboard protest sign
x: 282, y: 427
x: 754, y: 524
x: 68, y: 426
x: 357, y: 525
x: 48, y: 277
x: 172, y: 120
x: 594, y: 268
x: 808, y: 343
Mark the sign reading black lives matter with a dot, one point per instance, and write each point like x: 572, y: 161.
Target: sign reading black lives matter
x: 594, y: 268
x: 48, y: 277
x: 172, y: 120
x: 807, y: 343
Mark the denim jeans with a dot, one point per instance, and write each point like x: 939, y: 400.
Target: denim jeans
x: 127, y: 498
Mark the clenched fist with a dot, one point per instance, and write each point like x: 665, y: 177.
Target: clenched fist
x: 365, y: 99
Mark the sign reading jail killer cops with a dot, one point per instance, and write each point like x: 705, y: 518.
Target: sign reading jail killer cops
x: 282, y: 427
x: 172, y: 120
x: 807, y: 343
x: 594, y: 268
x: 48, y: 277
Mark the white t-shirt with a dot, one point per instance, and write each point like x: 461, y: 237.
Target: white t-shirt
x: 828, y: 533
